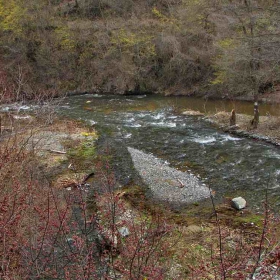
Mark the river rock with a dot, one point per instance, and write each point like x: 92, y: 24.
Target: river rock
x: 238, y: 203
x: 192, y: 113
x: 124, y: 231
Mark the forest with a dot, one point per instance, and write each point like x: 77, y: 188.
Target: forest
x: 222, y: 48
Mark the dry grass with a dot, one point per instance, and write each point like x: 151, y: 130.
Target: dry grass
x: 269, y: 125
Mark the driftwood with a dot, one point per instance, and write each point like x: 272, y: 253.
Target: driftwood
x: 76, y: 185
x: 181, y: 183
x: 87, y: 177
x: 57, y: 152
x: 71, y: 185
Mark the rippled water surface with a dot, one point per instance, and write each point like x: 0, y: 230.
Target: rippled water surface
x: 228, y: 164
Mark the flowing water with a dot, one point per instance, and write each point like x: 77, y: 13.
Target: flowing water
x: 230, y: 165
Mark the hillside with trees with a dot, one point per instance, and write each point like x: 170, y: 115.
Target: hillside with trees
x: 220, y: 47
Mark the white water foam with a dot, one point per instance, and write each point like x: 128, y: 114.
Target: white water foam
x: 17, y: 107
x: 130, y: 120
x: 273, y: 187
x: 92, y: 122
x: 164, y: 124
x: 134, y: 125
x: 4, y: 109
x: 230, y: 138
x: 24, y: 107
x: 158, y: 116
x: 142, y: 115
x: 205, y: 140
x: 128, y: 135
x: 272, y: 154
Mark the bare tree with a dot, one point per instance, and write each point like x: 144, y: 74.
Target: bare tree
x: 250, y: 57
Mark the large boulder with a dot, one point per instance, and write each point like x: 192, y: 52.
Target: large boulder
x: 238, y: 203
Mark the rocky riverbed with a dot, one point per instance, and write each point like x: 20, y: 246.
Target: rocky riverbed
x: 166, y: 183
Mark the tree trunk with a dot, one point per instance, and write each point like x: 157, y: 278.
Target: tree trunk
x: 255, y: 120
x: 232, y: 120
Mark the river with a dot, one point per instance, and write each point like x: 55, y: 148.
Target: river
x: 230, y: 165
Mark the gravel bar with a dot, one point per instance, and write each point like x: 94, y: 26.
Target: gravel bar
x: 166, y: 183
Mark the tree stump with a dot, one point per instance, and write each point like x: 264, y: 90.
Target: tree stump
x: 232, y: 120
x: 255, y: 120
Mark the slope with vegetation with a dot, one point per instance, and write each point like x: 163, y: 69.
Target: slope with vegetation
x: 70, y: 211
x: 168, y: 46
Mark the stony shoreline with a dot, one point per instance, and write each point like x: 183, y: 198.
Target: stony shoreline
x: 168, y: 184
x: 268, y: 129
